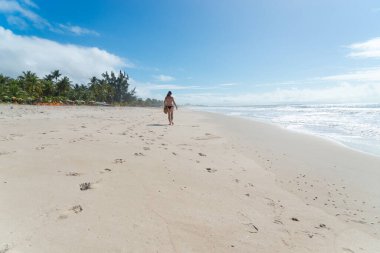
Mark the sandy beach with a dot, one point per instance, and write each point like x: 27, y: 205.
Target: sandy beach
x: 116, y: 179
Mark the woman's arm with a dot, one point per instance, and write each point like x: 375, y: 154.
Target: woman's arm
x: 175, y: 104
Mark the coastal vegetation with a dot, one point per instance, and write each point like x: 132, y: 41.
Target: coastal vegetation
x: 57, y: 89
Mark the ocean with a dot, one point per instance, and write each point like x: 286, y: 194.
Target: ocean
x: 356, y: 126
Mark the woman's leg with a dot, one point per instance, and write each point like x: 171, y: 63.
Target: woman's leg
x: 169, y: 118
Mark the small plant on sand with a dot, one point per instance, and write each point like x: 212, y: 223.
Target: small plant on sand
x: 85, y: 186
x: 77, y: 209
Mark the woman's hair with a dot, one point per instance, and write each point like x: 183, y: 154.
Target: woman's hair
x: 169, y: 94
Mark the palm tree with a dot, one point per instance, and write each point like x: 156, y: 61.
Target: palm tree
x: 4, y: 82
x: 55, y: 75
x: 106, y: 91
x: 120, y: 86
x: 14, y: 89
x: 110, y: 88
x: 63, y: 86
x: 48, y: 87
x: 93, y: 81
x: 3, y: 79
x: 30, y: 83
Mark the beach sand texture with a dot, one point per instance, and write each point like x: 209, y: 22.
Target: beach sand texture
x: 114, y: 179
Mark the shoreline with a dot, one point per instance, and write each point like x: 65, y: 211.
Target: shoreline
x: 210, y: 183
x: 319, y: 149
x: 312, y: 134
x: 306, y: 132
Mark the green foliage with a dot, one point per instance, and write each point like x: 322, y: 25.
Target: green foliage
x: 30, y: 83
x: 111, y: 89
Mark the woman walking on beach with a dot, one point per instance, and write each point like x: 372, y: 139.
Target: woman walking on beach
x: 169, y: 104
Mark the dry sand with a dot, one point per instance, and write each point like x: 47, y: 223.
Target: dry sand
x: 207, y: 184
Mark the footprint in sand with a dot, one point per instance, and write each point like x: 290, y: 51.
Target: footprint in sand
x: 359, y: 221
x: 207, y: 137
x: 201, y: 154
x: 322, y: 226
x: 106, y: 170
x: 75, y: 209
x: 251, y: 228
x: 348, y: 250
x: 310, y: 234
x: 16, y: 135
x: 73, y: 174
x: 7, y: 153
x: 209, y: 170
x: 139, y: 154
x: 118, y: 160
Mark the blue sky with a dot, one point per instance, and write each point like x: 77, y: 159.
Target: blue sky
x: 206, y: 52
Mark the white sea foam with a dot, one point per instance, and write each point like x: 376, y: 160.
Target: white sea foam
x: 354, y: 125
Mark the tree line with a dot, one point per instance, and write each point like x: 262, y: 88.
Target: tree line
x: 110, y: 89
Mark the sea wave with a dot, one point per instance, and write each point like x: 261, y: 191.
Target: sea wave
x: 354, y: 125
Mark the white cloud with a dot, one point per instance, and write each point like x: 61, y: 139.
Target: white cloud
x: 151, y: 90
x: 17, y: 21
x: 367, y: 49
x: 30, y: 3
x: 170, y: 87
x: 19, y: 12
x: 13, y: 7
x: 20, y: 53
x: 77, y: 30
x: 341, y: 93
x: 360, y: 86
x: 227, y: 84
x: 156, y: 90
x: 164, y: 78
x: 365, y: 75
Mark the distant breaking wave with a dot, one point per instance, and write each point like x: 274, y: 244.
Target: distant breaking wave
x: 354, y: 125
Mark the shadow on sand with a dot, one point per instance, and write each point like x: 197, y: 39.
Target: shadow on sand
x: 157, y: 125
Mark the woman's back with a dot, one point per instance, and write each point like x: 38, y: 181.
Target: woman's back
x: 168, y: 101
